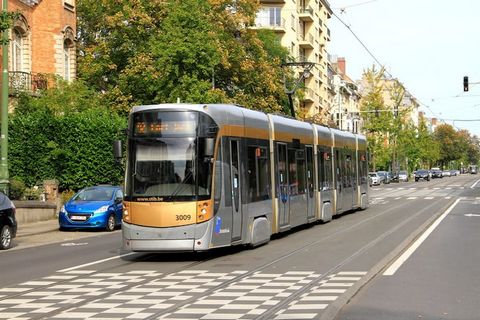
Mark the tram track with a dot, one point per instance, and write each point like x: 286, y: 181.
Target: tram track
x: 271, y: 311
x: 215, y: 254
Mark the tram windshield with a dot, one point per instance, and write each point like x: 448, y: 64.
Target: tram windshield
x: 166, y: 166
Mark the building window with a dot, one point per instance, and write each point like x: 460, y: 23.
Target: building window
x: 69, y: 4
x: 269, y: 16
x: 17, y: 50
x: 67, y: 59
x: 66, y: 55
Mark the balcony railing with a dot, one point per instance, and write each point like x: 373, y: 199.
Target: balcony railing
x: 20, y: 81
x: 306, y: 40
x: 305, y: 13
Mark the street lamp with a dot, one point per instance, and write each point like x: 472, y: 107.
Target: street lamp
x: 307, y: 66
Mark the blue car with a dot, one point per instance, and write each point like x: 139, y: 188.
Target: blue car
x: 98, y: 207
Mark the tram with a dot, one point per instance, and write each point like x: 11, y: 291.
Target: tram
x: 214, y: 175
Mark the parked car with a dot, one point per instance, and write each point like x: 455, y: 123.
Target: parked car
x: 437, y: 173
x: 446, y: 173
x: 8, y: 222
x: 98, y: 207
x: 403, y: 176
x: 385, y: 176
x: 374, y: 179
x: 422, y: 174
x: 454, y: 172
x: 394, y: 176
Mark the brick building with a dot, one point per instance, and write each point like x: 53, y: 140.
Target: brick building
x: 42, y: 43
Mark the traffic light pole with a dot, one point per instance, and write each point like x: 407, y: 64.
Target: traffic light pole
x: 4, y: 178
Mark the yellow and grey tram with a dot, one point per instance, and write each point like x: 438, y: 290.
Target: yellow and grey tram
x: 206, y: 176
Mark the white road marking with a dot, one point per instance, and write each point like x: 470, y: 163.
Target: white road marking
x: 473, y: 185
x: 398, y: 263
x: 472, y: 215
x: 96, y: 262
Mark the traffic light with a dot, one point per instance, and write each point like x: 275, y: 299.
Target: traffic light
x: 465, y: 83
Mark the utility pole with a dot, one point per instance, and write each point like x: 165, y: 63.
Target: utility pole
x: 395, y: 113
x: 4, y: 178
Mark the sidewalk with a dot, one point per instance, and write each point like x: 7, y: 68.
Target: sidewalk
x: 34, y: 228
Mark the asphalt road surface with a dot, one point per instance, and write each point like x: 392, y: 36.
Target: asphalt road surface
x: 321, y: 271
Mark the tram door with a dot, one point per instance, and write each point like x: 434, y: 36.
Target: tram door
x: 282, y: 191
x: 338, y: 179
x: 310, y: 186
x: 236, y: 189
x: 352, y: 181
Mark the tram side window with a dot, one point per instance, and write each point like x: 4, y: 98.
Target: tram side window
x: 301, y: 172
x: 350, y: 170
x: 362, y: 168
x: 258, y: 179
x: 325, y: 179
x: 292, y: 172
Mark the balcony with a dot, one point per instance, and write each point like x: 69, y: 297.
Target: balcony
x: 271, y: 1
x: 306, y: 41
x: 308, y: 95
x: 305, y: 14
x: 19, y: 81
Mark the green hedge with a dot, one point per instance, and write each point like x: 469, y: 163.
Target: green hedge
x: 74, y: 147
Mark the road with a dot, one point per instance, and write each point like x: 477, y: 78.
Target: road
x: 320, y: 271
x: 436, y: 278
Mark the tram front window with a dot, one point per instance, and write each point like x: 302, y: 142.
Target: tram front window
x: 168, y: 168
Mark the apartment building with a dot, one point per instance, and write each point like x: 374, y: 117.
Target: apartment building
x: 408, y: 105
x: 345, y: 98
x: 302, y: 28
x: 42, y: 43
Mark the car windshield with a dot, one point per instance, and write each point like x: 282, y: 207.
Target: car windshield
x: 94, y: 194
x: 373, y: 174
x: 422, y: 171
x: 403, y: 172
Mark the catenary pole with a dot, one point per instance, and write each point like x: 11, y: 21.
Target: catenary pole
x: 4, y: 114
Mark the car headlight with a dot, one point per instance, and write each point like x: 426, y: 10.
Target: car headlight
x: 102, y: 209
x: 62, y: 210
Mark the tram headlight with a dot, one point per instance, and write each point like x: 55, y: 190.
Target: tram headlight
x: 204, y: 212
x: 126, y: 215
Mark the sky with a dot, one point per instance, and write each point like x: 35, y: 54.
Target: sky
x: 428, y: 45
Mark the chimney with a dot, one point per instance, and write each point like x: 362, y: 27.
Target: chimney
x: 341, y: 65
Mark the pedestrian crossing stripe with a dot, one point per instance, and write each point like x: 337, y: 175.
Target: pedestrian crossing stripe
x: 138, y: 295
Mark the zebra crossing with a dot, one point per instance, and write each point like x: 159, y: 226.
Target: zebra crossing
x: 142, y: 294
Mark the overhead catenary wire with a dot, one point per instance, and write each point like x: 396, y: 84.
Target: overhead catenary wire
x: 387, y: 72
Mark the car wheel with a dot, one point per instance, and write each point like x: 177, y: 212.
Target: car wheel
x: 110, y: 223
x: 5, y: 237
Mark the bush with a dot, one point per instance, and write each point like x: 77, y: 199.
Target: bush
x: 72, y: 145
x: 66, y: 195
x: 17, y: 189
x: 34, y: 193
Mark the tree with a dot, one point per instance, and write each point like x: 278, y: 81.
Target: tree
x: 144, y: 52
x: 376, y: 121
x: 451, y: 146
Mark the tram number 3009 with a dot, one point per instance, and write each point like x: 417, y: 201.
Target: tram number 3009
x: 181, y: 217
